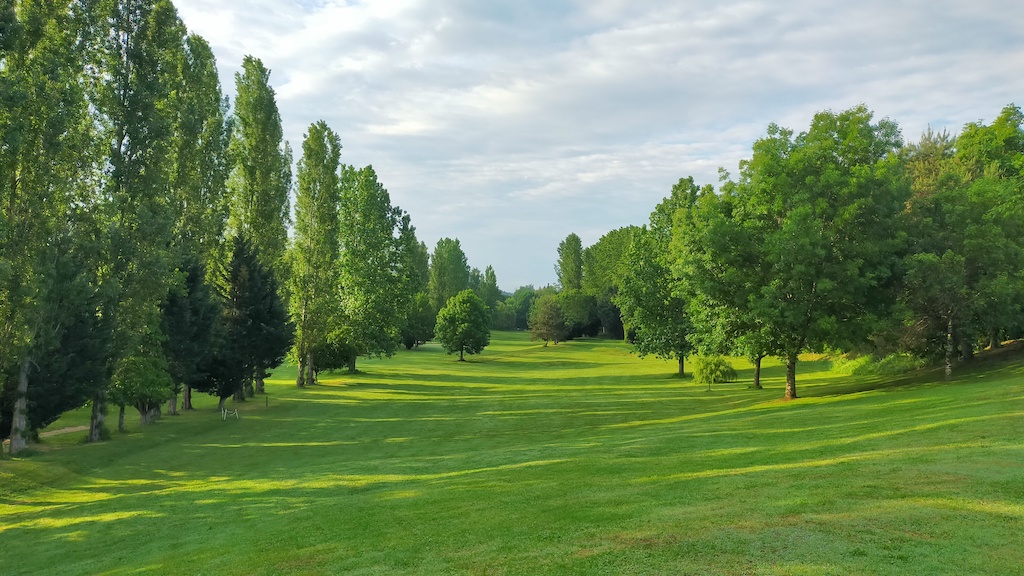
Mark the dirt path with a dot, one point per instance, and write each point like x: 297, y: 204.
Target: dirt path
x: 67, y: 430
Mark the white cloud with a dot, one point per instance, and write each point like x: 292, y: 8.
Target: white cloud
x: 510, y: 125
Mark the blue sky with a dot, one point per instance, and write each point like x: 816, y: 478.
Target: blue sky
x: 511, y: 124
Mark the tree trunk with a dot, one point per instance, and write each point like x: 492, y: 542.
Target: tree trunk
x: 186, y: 398
x: 949, y: 349
x: 966, y: 349
x: 994, y: 340
x: 120, y: 419
x: 311, y: 374
x: 97, y: 430
x: 249, y: 390
x: 682, y: 365
x: 220, y: 405
x: 19, y: 425
x: 757, y: 372
x: 300, y: 381
x: 172, y: 406
x: 461, y: 357
x: 239, y: 395
x: 148, y: 413
x: 791, y: 377
x: 352, y: 364
x: 260, y: 388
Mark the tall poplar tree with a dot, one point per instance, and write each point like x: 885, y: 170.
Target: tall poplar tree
x: 260, y: 179
x: 138, y: 70
x: 45, y: 145
x: 570, y: 263
x: 314, y: 253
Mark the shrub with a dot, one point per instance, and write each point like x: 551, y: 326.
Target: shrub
x: 712, y: 369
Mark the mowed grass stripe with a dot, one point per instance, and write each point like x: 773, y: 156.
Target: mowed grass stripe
x: 572, y: 459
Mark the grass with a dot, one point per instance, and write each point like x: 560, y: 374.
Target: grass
x: 572, y: 459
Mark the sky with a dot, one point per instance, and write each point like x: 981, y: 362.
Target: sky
x: 510, y: 124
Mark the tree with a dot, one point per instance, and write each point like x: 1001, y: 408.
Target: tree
x: 463, y: 325
x: 721, y: 273
x: 648, y: 297
x: 824, y: 210
x: 137, y: 76
x: 254, y: 333
x: 547, y: 322
x: 314, y: 253
x: 520, y: 304
x: 488, y: 290
x: 371, y: 288
x: 46, y: 154
x: 414, y: 278
x: 604, y: 267
x: 579, y: 311
x: 200, y: 156
x: 449, y: 272
x: 261, y: 176
x: 963, y: 280
x: 190, y: 317
x: 570, y: 263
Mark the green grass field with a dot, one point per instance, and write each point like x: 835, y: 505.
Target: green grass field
x: 572, y: 459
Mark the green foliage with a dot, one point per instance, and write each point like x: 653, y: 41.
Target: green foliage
x: 463, y: 325
x: 314, y: 300
x: 449, y: 272
x: 372, y: 292
x: 708, y: 370
x: 261, y: 166
x: 570, y: 263
x: 488, y: 290
x: 547, y: 322
x: 651, y: 307
x: 893, y: 364
x: 604, y: 267
x: 190, y: 317
x: 255, y: 332
x: 520, y: 303
x: 579, y: 311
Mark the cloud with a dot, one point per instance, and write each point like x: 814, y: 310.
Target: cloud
x: 510, y: 125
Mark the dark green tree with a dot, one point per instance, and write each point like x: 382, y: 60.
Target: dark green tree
x: 547, y: 322
x: 604, y: 267
x: 190, y: 317
x: 463, y: 325
x: 254, y: 334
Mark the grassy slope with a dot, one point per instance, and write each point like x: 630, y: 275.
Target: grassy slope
x: 575, y: 459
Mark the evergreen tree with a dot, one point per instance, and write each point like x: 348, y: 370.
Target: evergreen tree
x: 546, y: 320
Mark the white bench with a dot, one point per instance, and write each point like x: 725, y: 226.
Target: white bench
x: 225, y: 413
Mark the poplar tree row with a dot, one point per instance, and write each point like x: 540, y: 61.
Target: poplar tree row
x: 144, y: 249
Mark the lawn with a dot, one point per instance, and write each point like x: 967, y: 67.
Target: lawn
x: 572, y: 459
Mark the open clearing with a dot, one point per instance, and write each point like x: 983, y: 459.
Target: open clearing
x: 572, y: 459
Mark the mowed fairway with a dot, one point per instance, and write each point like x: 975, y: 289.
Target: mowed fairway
x: 572, y: 459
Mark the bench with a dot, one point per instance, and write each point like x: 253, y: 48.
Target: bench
x: 225, y: 413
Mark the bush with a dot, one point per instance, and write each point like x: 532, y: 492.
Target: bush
x: 711, y: 370
x: 870, y: 365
